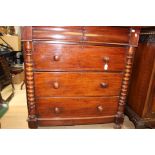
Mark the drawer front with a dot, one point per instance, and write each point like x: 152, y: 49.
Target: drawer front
x: 77, y: 84
x: 76, y: 107
x: 106, y: 34
x: 96, y: 34
x: 58, y: 33
x: 59, y: 57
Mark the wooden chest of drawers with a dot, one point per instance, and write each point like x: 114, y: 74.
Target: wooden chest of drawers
x: 77, y: 74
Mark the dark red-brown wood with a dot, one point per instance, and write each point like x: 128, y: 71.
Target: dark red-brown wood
x: 77, y: 84
x: 61, y: 33
x: 87, y: 34
x: 141, y: 98
x: 77, y: 75
x: 106, y: 34
x: 26, y: 33
x: 44, y: 122
x: 32, y: 118
x: 76, y: 107
x: 59, y: 57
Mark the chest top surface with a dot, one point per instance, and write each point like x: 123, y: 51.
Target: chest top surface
x: 83, y: 34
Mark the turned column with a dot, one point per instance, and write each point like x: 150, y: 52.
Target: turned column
x: 26, y: 37
x: 124, y: 88
x: 133, y: 42
x: 32, y: 119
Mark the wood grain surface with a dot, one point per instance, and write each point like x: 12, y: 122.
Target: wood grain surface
x: 60, y: 57
x: 76, y: 107
x: 77, y: 84
x: 82, y: 33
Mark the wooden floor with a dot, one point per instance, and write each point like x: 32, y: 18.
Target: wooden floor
x: 16, y: 116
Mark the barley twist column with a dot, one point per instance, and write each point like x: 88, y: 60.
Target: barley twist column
x: 125, y: 84
x: 32, y: 119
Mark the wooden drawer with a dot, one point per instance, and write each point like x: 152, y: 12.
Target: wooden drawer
x: 76, y: 107
x: 60, y: 57
x: 102, y: 34
x: 59, y: 33
x: 77, y: 84
x: 106, y: 34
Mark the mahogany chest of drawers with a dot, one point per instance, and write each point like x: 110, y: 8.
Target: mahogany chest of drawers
x: 77, y: 74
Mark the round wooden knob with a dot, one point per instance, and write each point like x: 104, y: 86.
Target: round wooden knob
x: 56, y: 85
x: 104, y: 85
x: 100, y: 108
x: 57, y: 110
x: 56, y: 58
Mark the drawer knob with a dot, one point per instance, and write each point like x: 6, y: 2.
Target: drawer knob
x: 56, y: 58
x: 56, y: 85
x: 106, y: 62
x: 57, y: 110
x: 104, y: 85
x: 100, y: 108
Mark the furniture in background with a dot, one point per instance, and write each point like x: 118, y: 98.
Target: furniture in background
x: 7, y: 45
x: 141, y: 98
x: 5, y: 80
x: 77, y: 74
x: 5, y: 75
x: 17, y: 72
x: 12, y: 43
